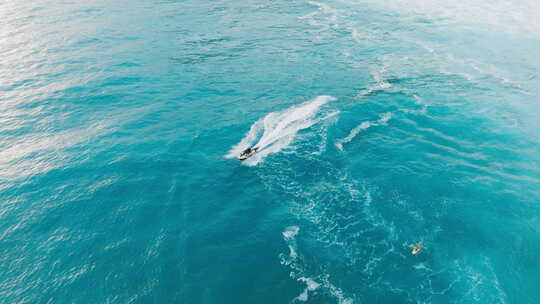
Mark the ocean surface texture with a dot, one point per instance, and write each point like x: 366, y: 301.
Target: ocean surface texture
x: 380, y: 124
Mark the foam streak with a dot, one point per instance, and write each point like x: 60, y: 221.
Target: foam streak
x: 383, y: 120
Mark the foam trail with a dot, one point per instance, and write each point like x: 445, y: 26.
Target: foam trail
x: 310, y: 286
x: 298, y: 272
x: 279, y: 129
x: 352, y: 134
x: 289, y: 235
x: 384, y: 118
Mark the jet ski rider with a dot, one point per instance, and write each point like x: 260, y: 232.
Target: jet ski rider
x: 249, y: 151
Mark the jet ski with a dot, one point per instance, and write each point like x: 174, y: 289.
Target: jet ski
x: 248, y: 153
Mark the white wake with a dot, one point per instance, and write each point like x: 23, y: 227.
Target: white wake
x: 277, y: 130
x: 384, y: 118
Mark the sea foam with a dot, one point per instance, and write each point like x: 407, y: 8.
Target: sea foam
x: 383, y: 120
x: 277, y: 130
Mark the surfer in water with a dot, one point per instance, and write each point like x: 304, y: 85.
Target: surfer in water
x: 416, y: 248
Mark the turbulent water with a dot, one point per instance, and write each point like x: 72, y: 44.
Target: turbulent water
x: 380, y: 124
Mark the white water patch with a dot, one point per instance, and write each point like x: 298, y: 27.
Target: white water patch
x: 294, y: 261
x: 383, y: 120
x: 289, y: 235
x: 311, y: 285
x: 291, y: 232
x: 380, y: 84
x: 278, y: 130
x: 324, y: 17
x: 519, y: 16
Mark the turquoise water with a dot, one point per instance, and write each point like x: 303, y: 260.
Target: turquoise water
x: 380, y: 125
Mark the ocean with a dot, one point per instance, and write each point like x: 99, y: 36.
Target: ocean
x: 379, y: 125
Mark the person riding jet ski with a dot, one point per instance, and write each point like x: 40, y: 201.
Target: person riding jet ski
x: 247, y: 153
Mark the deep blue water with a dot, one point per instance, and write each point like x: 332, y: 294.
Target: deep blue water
x: 380, y: 125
